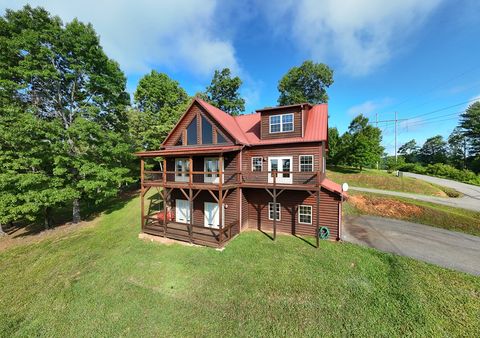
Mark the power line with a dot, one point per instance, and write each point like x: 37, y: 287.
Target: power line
x: 442, y: 109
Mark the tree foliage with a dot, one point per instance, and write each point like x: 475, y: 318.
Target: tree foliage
x: 306, y: 83
x: 159, y: 102
x: 409, y: 151
x: 333, y: 145
x: 434, y: 150
x: 470, y: 123
x: 60, y: 76
x: 223, y: 92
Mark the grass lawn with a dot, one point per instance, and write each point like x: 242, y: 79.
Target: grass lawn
x: 379, y: 179
x: 441, y: 216
x: 101, y: 280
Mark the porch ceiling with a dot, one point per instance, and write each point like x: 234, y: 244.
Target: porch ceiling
x: 189, y: 151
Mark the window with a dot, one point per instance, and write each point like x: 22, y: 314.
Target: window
x: 207, y: 131
x: 281, y: 123
x: 179, y: 141
x: 306, y: 162
x: 270, y: 211
x: 182, y: 169
x: 305, y: 214
x: 257, y: 163
x: 220, y: 138
x: 192, y: 132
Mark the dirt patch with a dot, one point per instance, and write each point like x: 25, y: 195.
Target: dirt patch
x: 384, y: 207
x: 23, y: 236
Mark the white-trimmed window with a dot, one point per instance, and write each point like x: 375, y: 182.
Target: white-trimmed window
x: 257, y: 163
x: 270, y: 211
x: 281, y: 123
x: 305, y: 214
x: 182, y: 169
x: 305, y: 162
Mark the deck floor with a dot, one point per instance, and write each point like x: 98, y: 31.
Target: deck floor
x: 180, y: 231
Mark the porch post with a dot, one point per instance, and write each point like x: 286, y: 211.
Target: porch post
x: 142, y: 191
x: 164, y: 178
x: 190, y: 170
x: 220, y: 196
x: 318, y: 218
x: 274, y: 204
x: 190, y: 198
x: 164, y: 194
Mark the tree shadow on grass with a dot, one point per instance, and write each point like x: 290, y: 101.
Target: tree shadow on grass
x: 62, y: 216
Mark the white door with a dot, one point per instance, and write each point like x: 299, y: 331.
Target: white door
x: 212, y: 216
x: 210, y: 165
x: 182, y: 166
x: 182, y: 211
x: 282, y: 164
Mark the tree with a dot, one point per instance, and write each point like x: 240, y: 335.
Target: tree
x: 223, y: 92
x: 362, y: 146
x: 409, y: 151
x: 159, y: 102
x: 60, y: 74
x: 458, y: 146
x: 307, y: 83
x: 434, y: 150
x: 333, y: 145
x: 470, y: 123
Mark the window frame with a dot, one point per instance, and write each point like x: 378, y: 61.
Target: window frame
x: 261, y: 164
x: 300, y: 213
x: 279, y: 213
x: 183, y: 176
x: 282, y: 123
x: 300, y: 163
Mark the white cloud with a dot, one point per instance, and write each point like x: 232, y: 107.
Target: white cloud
x: 141, y: 34
x: 361, y: 34
x: 368, y: 107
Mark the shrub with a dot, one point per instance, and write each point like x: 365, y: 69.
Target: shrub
x: 443, y: 170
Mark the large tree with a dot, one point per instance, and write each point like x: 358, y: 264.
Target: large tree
x: 470, y: 123
x: 159, y: 102
x: 223, y: 92
x: 362, y: 145
x: 458, y: 147
x: 409, y: 151
x: 434, y: 150
x: 333, y: 145
x: 61, y: 75
x: 306, y: 83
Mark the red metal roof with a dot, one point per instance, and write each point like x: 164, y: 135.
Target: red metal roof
x: 245, y: 129
x: 315, y: 127
x: 332, y: 186
x: 188, y: 151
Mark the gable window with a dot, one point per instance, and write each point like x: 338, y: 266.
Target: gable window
x: 257, y: 163
x: 220, y: 138
x: 281, y: 123
x: 306, y: 162
x: 305, y: 214
x: 182, y: 169
x: 179, y: 141
x: 192, y: 132
x: 271, y: 210
x: 207, y: 131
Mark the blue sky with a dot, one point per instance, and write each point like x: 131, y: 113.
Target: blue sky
x: 412, y: 57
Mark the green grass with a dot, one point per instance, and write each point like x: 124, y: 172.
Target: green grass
x: 436, y: 215
x: 103, y: 281
x: 379, y: 179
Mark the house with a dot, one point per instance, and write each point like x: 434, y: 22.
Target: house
x: 220, y: 175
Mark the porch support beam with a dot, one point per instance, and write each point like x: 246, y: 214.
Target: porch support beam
x: 190, y: 192
x: 185, y: 194
x: 211, y: 193
x: 142, y: 194
x: 318, y: 218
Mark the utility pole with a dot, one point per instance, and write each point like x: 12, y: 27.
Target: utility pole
x: 396, y: 138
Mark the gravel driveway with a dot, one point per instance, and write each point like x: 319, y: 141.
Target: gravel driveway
x: 442, y: 247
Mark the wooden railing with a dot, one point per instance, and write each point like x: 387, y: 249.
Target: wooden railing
x: 311, y: 178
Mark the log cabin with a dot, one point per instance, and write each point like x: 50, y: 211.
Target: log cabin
x: 219, y: 175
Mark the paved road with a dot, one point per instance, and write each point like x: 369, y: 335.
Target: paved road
x: 470, y: 200
x: 442, y: 247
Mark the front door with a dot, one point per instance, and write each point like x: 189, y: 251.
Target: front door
x: 212, y: 216
x: 182, y: 211
x: 211, y: 168
x: 282, y: 164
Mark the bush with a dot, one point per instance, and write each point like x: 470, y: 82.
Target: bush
x: 443, y: 170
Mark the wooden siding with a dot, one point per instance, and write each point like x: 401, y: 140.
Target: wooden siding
x: 196, y: 110
x: 265, y: 123
x: 230, y: 202
x: 289, y: 201
x: 293, y: 150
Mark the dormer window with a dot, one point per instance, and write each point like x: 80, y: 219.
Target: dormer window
x: 281, y: 123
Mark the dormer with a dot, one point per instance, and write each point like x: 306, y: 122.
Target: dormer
x: 284, y: 121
